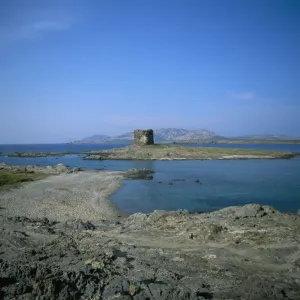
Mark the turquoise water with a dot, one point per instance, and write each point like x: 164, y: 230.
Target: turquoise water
x: 224, y: 182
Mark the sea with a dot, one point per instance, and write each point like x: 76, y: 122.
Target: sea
x: 197, y: 186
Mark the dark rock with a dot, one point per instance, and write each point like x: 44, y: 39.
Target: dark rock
x: 139, y: 174
x: 93, y: 157
x: 118, y: 285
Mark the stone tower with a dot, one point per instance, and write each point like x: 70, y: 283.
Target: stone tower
x: 143, y: 137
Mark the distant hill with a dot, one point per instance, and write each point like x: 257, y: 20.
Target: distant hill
x: 164, y: 134
x: 268, y: 137
x: 178, y: 134
x: 96, y: 138
x: 175, y: 134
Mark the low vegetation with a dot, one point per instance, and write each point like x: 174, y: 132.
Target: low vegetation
x: 12, y: 179
x: 183, y: 152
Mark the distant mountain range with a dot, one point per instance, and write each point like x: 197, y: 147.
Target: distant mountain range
x: 164, y: 134
x: 268, y: 137
x: 177, y: 134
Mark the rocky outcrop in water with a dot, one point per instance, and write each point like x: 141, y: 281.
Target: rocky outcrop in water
x: 138, y: 174
x: 93, y: 157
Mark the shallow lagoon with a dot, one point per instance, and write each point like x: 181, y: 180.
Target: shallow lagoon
x: 223, y: 183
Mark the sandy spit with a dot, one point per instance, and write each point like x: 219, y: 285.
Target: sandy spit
x: 82, y: 195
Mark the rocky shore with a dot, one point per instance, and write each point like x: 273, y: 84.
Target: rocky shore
x: 50, y: 170
x: 61, y: 238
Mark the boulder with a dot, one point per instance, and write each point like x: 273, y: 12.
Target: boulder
x: 246, y: 211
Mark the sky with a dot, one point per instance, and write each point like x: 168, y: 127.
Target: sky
x: 71, y: 69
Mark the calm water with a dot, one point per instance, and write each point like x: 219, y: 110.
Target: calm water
x: 224, y: 182
x: 55, y: 147
x: 281, y: 147
x: 86, y: 147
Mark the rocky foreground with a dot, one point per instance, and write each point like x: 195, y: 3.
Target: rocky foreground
x: 61, y: 238
x: 249, y: 252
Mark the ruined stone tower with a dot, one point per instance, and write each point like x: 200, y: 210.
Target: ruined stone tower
x: 143, y: 137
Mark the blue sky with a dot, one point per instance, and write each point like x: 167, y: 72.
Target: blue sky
x: 70, y: 69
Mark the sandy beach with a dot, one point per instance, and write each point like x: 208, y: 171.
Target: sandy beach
x: 82, y: 195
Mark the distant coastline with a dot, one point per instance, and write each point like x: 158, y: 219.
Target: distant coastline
x: 238, y: 141
x: 197, y: 141
x: 185, y: 136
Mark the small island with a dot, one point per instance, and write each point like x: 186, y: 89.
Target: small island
x: 144, y: 148
x: 176, y: 152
